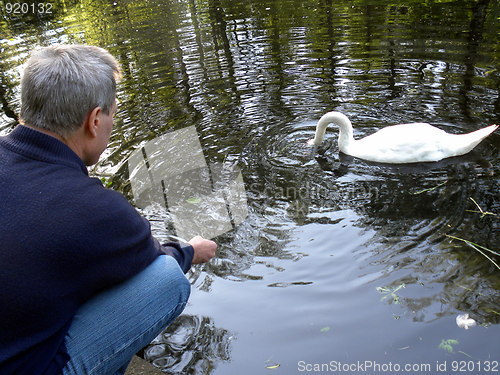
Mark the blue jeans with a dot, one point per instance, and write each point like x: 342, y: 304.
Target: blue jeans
x: 110, y: 328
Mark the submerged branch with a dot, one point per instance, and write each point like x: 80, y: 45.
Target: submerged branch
x: 481, y: 211
x: 430, y: 189
x: 478, y: 248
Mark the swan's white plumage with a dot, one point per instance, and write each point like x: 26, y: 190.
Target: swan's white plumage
x: 404, y: 143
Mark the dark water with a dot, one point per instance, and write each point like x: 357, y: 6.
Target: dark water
x: 338, y: 260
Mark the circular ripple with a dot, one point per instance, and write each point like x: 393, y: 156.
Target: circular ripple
x: 286, y: 147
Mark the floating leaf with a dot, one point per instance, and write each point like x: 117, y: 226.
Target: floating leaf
x: 392, y: 293
x: 448, y: 345
x: 106, y: 181
x: 325, y: 329
x: 272, y: 367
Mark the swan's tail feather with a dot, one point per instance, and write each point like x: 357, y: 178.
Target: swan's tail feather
x: 484, y: 132
x: 475, y: 137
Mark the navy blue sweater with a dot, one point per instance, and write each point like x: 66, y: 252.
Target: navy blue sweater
x: 63, y: 239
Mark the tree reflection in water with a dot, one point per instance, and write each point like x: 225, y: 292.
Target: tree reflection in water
x: 190, y: 344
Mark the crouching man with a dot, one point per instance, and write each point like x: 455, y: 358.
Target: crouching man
x: 84, y: 284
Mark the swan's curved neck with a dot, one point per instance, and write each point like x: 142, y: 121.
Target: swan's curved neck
x: 345, y: 134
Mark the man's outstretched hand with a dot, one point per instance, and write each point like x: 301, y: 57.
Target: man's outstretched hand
x: 204, y: 250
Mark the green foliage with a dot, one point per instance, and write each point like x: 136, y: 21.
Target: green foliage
x: 448, y: 345
x: 106, y: 181
x: 390, y: 293
x: 193, y: 200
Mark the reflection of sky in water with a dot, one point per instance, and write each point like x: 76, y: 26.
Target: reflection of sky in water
x: 315, y: 271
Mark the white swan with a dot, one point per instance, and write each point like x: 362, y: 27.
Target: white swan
x: 404, y: 143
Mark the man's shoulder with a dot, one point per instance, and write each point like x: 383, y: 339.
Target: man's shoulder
x: 89, y: 192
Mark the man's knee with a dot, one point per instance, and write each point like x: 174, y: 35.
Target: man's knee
x: 174, y: 281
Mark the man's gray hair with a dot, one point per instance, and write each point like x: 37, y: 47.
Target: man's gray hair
x: 62, y: 84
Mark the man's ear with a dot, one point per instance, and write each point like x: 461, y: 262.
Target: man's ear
x: 92, y: 122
